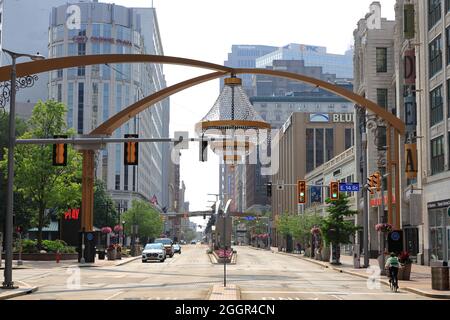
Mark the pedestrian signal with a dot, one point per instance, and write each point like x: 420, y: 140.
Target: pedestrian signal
x: 60, y: 152
x: 131, y: 151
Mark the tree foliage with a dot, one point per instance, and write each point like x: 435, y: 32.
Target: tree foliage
x: 335, y: 229
x: 36, y: 179
x: 21, y: 127
x: 149, y: 221
x: 105, y: 213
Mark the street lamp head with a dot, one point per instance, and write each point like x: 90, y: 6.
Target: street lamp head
x: 37, y: 57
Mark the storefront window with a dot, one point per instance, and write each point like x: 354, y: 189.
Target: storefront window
x: 438, y: 230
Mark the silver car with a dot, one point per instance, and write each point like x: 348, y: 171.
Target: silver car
x: 154, y: 251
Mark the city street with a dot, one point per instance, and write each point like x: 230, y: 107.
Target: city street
x: 260, y: 275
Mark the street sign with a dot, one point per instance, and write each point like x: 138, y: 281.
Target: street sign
x: 349, y: 187
x: 250, y: 218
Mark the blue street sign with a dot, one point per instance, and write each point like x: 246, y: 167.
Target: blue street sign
x: 349, y: 187
x: 249, y: 218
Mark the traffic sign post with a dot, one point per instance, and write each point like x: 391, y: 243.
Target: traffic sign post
x: 349, y: 187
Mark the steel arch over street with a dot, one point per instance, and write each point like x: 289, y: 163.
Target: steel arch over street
x: 116, y: 121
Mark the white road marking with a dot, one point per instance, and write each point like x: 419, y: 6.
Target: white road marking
x: 114, y: 295
x: 313, y: 292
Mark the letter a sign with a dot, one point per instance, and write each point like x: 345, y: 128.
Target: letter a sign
x: 411, y: 161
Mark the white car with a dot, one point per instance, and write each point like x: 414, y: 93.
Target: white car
x: 154, y: 251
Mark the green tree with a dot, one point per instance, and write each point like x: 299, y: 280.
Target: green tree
x: 149, y: 221
x: 303, y: 225
x: 44, y: 185
x: 189, y: 235
x: 105, y: 213
x: 21, y: 127
x: 335, y: 229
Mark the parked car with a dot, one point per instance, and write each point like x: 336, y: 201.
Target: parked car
x: 168, y: 245
x: 154, y: 251
x: 177, y: 248
x: 193, y: 242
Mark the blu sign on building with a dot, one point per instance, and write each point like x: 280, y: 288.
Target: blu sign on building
x: 95, y: 93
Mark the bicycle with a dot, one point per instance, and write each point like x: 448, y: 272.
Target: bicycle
x: 393, y: 284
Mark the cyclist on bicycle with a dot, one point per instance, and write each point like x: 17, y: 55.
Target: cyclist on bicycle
x: 393, y: 264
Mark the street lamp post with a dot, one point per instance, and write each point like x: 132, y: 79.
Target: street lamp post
x: 8, y: 283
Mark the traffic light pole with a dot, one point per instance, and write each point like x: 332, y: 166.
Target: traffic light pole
x: 366, y: 200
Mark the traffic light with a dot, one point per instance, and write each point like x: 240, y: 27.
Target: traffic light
x: 301, y: 191
x: 60, y: 152
x: 269, y: 189
x: 203, y: 151
x: 371, y: 182
x: 377, y: 177
x: 131, y: 151
x: 334, y: 190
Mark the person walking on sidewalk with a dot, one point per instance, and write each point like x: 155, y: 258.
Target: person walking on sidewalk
x: 392, y: 264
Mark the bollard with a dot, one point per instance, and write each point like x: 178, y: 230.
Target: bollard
x: 58, y: 257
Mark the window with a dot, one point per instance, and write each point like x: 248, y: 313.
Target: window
x: 447, y: 44
x: 447, y: 5
x: 105, y: 101
x: 434, y: 12
x: 319, y: 147
x: 80, y: 107
x: 436, y: 105
x: 381, y: 59
x: 309, y: 150
x: 59, y: 92
x: 437, y: 155
x: 329, y: 144
x: 70, y: 105
x: 435, y: 54
x: 381, y: 137
x: 349, y: 139
x: 382, y: 98
x: 437, y: 232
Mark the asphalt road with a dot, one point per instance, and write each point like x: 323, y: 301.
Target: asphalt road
x: 261, y: 275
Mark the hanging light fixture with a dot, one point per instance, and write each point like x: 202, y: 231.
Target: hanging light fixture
x: 233, y: 123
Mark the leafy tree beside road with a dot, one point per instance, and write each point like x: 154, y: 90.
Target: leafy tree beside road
x: 335, y: 229
x: 147, y: 218
x: 36, y: 179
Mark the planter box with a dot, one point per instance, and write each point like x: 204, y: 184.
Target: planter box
x: 404, y: 272
x: 44, y: 256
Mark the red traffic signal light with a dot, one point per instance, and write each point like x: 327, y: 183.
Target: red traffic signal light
x: 60, y: 152
x: 131, y: 151
x: 334, y: 190
x: 377, y: 177
x: 301, y: 191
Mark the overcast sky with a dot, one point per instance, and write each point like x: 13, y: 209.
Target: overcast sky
x: 206, y: 30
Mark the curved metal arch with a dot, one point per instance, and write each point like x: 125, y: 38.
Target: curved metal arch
x: 122, y: 117
x: 33, y: 67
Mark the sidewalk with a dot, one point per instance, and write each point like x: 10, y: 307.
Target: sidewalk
x: 22, y: 290
x: 420, y: 282
x: 71, y: 263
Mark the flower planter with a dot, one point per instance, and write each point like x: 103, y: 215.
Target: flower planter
x: 111, y: 254
x: 404, y: 272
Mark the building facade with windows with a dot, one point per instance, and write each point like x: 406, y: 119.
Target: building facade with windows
x: 307, y: 141
x: 433, y: 125
x: 374, y: 79
x: 24, y: 29
x: 95, y: 93
x: 339, y: 64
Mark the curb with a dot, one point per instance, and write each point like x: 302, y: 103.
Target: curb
x: 427, y: 294
x: 128, y: 261
x: 27, y: 290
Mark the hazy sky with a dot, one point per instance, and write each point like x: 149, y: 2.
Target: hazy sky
x: 206, y: 30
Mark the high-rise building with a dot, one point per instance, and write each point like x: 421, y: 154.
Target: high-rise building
x: 244, y: 56
x: 374, y: 79
x: 431, y: 40
x: 24, y: 29
x: 95, y: 93
x: 339, y: 64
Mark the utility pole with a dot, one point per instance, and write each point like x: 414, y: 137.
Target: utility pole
x: 366, y: 199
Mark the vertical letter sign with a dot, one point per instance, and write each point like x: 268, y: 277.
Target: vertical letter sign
x: 411, y: 161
